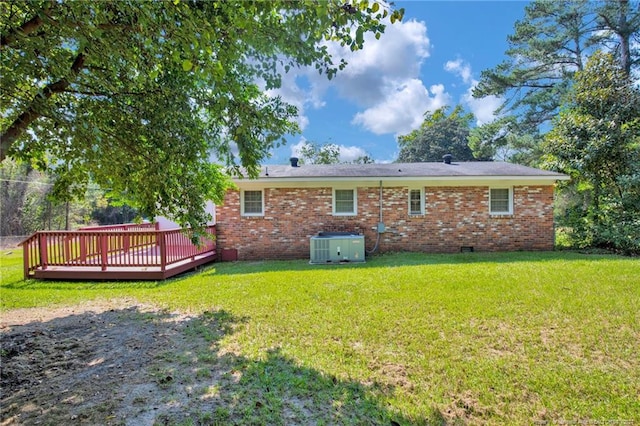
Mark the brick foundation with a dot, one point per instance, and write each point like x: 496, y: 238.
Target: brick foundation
x: 455, y: 217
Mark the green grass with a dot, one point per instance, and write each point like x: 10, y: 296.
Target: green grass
x: 514, y: 338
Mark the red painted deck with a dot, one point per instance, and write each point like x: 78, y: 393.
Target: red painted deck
x: 130, y: 251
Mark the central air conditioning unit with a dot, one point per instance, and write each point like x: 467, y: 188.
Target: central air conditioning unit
x: 337, y: 247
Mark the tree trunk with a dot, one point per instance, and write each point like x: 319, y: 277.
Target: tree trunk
x: 624, y: 32
x: 620, y: 25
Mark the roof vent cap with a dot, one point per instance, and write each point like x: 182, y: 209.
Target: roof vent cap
x: 294, y: 161
x: 447, y: 158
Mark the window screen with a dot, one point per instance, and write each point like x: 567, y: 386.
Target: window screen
x: 252, y: 202
x: 344, y: 201
x: 415, y: 201
x: 500, y: 200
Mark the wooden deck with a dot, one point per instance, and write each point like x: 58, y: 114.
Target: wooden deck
x: 127, y: 252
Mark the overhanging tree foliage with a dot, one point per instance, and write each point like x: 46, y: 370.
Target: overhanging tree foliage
x: 596, y: 140
x: 139, y: 95
x: 439, y: 134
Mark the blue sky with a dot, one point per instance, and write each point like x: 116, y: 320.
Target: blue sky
x: 432, y: 58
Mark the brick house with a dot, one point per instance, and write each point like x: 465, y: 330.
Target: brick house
x: 418, y: 207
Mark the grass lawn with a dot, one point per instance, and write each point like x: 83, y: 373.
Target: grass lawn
x: 508, y: 338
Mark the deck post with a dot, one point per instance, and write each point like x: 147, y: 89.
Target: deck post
x: 42, y: 243
x: 160, y: 236
x: 67, y: 249
x: 103, y: 250
x: 127, y: 242
x: 26, y: 256
x: 83, y: 248
x: 156, y: 226
x: 196, y: 250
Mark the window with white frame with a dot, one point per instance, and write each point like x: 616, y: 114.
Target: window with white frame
x: 252, y: 203
x: 344, y: 202
x: 500, y: 201
x: 416, y: 201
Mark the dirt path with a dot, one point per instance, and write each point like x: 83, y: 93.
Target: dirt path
x: 113, y: 362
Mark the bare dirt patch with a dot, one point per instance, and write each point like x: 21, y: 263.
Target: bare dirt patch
x: 114, y: 362
x: 123, y: 363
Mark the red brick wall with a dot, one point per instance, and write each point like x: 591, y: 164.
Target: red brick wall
x: 454, y: 217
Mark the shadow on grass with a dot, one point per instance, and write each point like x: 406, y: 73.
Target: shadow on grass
x: 392, y: 260
x: 135, y: 367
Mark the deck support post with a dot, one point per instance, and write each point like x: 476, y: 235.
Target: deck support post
x: 163, y: 250
x: 126, y: 239
x: 26, y: 257
x: 104, y: 247
x: 42, y: 243
x: 83, y: 249
x: 67, y: 248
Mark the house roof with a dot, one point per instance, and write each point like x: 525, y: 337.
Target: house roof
x: 473, y: 172
x: 471, y: 168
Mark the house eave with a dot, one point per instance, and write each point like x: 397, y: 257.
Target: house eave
x: 391, y: 181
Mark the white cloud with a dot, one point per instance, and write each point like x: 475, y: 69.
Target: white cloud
x: 482, y: 108
x: 350, y: 153
x: 461, y: 68
x: 403, y: 110
x: 395, y: 58
x: 382, y: 79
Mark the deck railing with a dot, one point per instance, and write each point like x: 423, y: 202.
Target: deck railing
x: 112, y: 248
x: 122, y: 227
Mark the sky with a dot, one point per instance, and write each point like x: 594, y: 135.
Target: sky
x: 432, y: 58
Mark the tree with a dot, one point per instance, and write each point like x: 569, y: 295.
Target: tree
x: 596, y: 139
x: 544, y: 52
x: 14, y: 184
x: 140, y: 95
x: 109, y: 213
x: 502, y: 139
x: 549, y: 46
x: 619, y: 31
x: 312, y: 153
x: 328, y: 153
x: 364, y: 159
x: 439, y: 134
x: 26, y: 204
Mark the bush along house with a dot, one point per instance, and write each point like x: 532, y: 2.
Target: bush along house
x: 417, y: 207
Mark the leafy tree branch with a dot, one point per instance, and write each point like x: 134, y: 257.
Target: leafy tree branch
x: 141, y: 96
